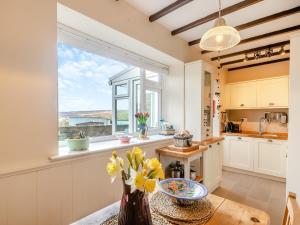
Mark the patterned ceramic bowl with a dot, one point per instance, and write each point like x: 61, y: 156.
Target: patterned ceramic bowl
x: 182, y: 191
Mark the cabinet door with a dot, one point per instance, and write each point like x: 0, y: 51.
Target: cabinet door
x: 243, y: 95
x: 270, y: 157
x: 208, y: 171
x: 217, y: 157
x: 240, y: 153
x: 273, y: 92
x: 212, y: 166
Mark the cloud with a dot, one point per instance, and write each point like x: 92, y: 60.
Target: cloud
x: 83, y: 79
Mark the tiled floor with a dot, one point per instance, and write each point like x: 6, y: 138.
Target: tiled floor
x: 257, y: 192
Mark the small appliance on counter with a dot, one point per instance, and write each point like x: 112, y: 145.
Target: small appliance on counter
x: 231, y: 127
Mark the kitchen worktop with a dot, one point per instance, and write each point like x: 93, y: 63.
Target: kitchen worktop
x: 203, y: 146
x: 268, y: 135
x: 209, y: 141
x: 168, y: 152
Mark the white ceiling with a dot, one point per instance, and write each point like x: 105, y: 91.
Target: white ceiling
x: 200, y: 8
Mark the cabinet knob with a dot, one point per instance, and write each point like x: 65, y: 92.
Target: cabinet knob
x: 270, y: 140
x: 239, y: 138
x: 271, y: 103
x: 241, y: 105
x: 209, y: 146
x: 218, y: 143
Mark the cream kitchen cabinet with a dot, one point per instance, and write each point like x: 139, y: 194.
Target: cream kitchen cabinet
x: 266, y: 93
x: 260, y: 155
x: 238, y: 153
x: 270, y: 157
x: 243, y: 95
x: 273, y: 92
x: 212, y: 166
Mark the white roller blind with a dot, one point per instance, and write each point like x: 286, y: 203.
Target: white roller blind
x: 86, y: 42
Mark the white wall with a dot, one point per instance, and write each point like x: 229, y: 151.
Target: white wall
x: 28, y: 82
x: 293, y: 180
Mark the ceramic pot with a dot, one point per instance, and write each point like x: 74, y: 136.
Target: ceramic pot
x: 134, y: 208
x: 78, y: 144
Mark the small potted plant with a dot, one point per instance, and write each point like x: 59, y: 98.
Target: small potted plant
x: 142, y: 124
x: 78, y: 142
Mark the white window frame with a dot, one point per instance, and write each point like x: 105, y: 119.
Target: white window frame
x: 152, y: 86
x: 78, y: 39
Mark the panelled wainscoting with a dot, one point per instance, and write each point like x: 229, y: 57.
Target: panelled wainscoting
x: 61, y: 192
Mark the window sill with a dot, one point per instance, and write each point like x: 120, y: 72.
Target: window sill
x: 98, y: 147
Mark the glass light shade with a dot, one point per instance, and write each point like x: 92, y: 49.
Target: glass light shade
x: 220, y: 37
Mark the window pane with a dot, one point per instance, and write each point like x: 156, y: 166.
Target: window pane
x: 122, y: 115
x: 152, y: 106
x: 121, y: 89
x: 152, y: 76
x: 136, y: 99
x: 85, y: 96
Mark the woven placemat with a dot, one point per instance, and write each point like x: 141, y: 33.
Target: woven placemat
x: 198, y: 213
x: 156, y: 220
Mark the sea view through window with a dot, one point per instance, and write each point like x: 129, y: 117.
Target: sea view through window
x: 85, y: 95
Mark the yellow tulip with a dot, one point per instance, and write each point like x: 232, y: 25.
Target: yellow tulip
x: 139, y: 181
x: 161, y: 174
x: 111, y: 169
x: 150, y: 185
x: 138, y: 156
x: 153, y: 164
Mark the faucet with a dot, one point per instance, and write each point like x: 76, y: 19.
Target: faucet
x: 260, y: 125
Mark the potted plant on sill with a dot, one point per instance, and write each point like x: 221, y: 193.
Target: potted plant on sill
x: 142, y: 124
x: 79, y: 142
x: 139, y: 179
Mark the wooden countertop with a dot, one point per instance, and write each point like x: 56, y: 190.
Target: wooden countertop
x: 268, y: 135
x: 203, y: 146
x: 226, y: 212
x: 209, y: 141
x: 167, y: 152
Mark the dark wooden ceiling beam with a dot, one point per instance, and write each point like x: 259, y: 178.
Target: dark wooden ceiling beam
x: 170, y: 8
x: 250, y: 59
x: 259, y: 21
x: 215, y: 15
x: 259, y: 64
x: 275, y: 45
x: 269, y: 18
x: 262, y: 36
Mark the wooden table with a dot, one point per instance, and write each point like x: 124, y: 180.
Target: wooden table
x: 227, y: 213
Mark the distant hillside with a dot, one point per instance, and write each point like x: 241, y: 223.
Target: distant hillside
x: 107, y: 114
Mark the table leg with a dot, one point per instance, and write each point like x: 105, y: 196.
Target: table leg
x: 186, y: 164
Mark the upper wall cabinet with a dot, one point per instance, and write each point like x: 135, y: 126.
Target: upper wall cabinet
x: 241, y: 95
x: 267, y: 93
x: 273, y: 93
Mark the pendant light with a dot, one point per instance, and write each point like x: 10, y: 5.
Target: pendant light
x: 220, y: 37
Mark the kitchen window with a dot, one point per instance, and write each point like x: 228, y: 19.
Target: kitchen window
x: 99, y: 91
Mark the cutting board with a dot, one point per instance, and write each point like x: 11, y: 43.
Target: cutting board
x: 184, y: 149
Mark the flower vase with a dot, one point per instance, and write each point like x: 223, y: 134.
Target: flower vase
x: 134, y: 208
x: 143, y: 131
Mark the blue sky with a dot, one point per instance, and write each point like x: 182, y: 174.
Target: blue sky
x: 83, y: 79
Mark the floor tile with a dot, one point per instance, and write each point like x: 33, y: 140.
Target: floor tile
x: 264, y: 194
